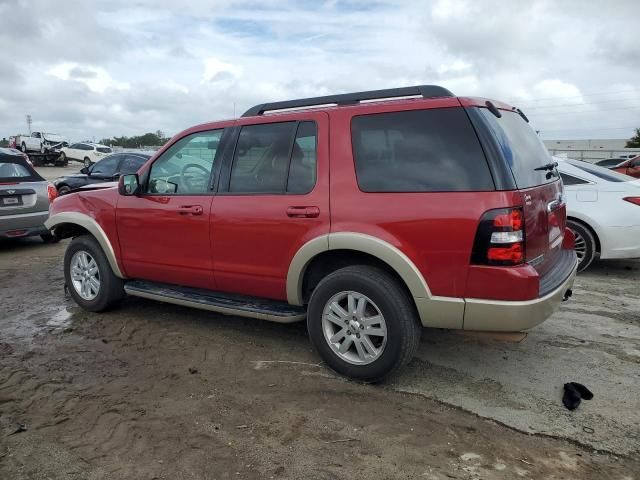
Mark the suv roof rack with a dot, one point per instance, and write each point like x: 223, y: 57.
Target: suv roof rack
x: 426, y: 91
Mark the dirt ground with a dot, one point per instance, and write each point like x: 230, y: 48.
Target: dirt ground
x: 154, y: 391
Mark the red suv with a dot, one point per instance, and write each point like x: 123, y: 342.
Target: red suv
x: 370, y: 214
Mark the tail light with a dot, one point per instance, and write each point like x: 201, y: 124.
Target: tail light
x: 500, y: 238
x: 634, y: 200
x: 52, y: 192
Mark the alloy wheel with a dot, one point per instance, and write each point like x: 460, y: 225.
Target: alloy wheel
x: 85, y: 275
x: 354, y: 327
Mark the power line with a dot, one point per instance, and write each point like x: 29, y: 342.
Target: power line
x: 576, y: 104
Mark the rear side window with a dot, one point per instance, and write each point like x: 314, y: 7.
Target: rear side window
x: 521, y: 147
x: 571, y: 180
x: 103, y: 149
x: 433, y: 150
x: 603, y: 173
x: 17, y: 170
x: 275, y: 158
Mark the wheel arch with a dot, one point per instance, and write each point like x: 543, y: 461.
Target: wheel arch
x: 589, y: 227
x: 360, y: 244
x: 73, y: 224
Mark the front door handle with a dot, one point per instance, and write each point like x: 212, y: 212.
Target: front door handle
x: 190, y: 210
x: 303, y: 212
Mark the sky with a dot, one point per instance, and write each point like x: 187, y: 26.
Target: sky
x: 95, y: 69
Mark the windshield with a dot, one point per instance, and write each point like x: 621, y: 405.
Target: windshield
x: 17, y: 171
x: 603, y: 173
x: 522, y: 148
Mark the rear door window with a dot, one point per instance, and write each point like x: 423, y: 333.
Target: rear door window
x: 433, y: 150
x: 521, y: 147
x: 571, y: 180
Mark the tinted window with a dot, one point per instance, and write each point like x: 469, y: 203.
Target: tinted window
x: 603, y: 173
x: 131, y: 164
x: 302, y: 170
x: 186, y: 166
x: 521, y: 147
x: 419, y: 151
x: 84, y: 146
x: 103, y: 149
x: 13, y: 170
x: 261, y: 160
x: 75, y: 146
x: 571, y: 180
x: 106, y: 167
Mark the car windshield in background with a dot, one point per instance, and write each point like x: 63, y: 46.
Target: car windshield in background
x: 17, y: 170
x: 521, y: 147
x: 104, y: 149
x: 603, y: 173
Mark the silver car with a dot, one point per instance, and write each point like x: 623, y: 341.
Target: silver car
x: 24, y: 197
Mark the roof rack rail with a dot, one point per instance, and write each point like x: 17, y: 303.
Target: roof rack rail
x: 426, y: 91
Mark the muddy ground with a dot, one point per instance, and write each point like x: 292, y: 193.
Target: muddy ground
x: 158, y: 391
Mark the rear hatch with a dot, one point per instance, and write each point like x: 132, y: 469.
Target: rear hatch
x: 22, y: 189
x: 539, y: 184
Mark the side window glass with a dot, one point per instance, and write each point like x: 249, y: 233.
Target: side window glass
x: 106, y: 167
x: 131, y: 164
x: 571, y: 180
x: 302, y: 171
x: 261, y: 159
x: 186, y: 166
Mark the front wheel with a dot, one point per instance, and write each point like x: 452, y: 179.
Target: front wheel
x: 363, y: 323
x: 89, y: 277
x: 585, y: 244
x: 87, y: 162
x: 23, y: 147
x: 64, y: 161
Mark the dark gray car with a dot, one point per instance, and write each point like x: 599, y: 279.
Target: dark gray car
x: 24, y: 197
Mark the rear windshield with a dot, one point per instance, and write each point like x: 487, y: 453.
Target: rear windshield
x: 17, y: 170
x: 103, y: 149
x: 521, y: 147
x: 433, y: 150
x: 603, y: 173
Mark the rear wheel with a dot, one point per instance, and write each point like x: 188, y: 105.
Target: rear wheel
x: 64, y: 189
x: 363, y: 323
x: 87, y: 162
x: 64, y: 161
x: 585, y: 244
x: 23, y: 147
x: 89, y: 277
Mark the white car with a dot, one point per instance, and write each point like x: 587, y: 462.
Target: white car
x: 85, y: 152
x: 603, y: 211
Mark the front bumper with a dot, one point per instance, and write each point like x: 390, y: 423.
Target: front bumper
x: 23, y: 225
x: 514, y: 316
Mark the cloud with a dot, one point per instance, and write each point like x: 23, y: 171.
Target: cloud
x: 103, y: 68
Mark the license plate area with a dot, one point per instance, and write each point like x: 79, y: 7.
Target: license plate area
x: 11, y: 201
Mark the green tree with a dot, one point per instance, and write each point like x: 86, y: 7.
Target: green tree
x: 156, y: 139
x: 634, y: 142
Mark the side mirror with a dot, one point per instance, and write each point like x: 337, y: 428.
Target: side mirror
x: 129, y: 184
x: 84, y: 170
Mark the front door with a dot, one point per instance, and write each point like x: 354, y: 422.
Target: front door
x: 272, y: 199
x: 164, y: 231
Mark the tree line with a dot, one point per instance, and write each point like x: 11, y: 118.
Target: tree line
x: 151, y: 139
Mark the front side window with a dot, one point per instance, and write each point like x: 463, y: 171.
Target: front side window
x: 131, y: 164
x: 433, y: 150
x: 185, y: 168
x: 261, y: 159
x: 106, y: 167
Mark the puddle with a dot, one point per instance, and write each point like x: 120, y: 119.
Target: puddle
x: 61, y: 319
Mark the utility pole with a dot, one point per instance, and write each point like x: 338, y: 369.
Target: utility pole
x: 29, y: 123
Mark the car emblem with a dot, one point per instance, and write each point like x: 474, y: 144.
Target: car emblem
x: 10, y: 192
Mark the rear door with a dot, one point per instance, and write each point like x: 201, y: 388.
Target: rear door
x: 540, y: 187
x: 273, y: 197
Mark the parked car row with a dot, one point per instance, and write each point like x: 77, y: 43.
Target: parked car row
x: 627, y: 164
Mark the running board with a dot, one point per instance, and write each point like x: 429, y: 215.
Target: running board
x: 226, y: 303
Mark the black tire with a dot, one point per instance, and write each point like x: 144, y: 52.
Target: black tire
x: 23, y: 147
x: 111, y: 290
x: 393, y: 302
x: 63, y: 189
x: 48, y: 238
x: 87, y: 162
x: 585, y: 243
x: 64, y: 161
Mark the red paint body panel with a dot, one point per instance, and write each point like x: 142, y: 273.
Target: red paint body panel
x: 254, y: 240
x: 627, y: 168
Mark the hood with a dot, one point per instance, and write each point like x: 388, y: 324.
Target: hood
x: 97, y: 186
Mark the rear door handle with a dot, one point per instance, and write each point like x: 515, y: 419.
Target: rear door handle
x: 303, y: 212
x: 190, y: 210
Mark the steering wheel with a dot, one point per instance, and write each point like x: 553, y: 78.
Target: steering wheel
x: 185, y: 180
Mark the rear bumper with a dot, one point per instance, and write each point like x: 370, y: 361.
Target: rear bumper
x: 515, y: 316
x: 23, y: 225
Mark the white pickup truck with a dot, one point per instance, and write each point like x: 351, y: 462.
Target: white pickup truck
x: 39, y: 142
